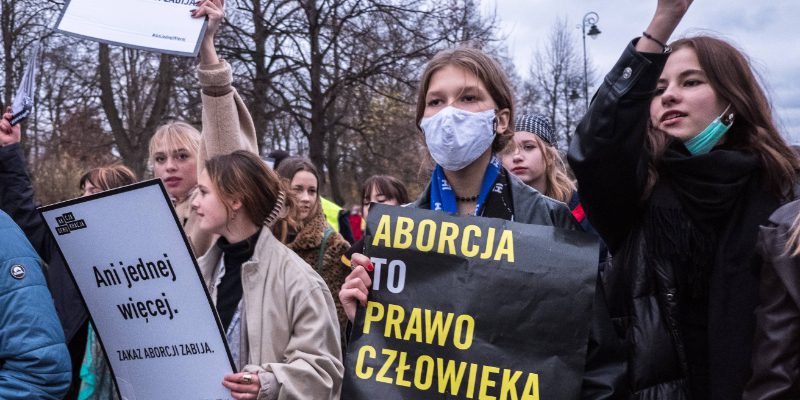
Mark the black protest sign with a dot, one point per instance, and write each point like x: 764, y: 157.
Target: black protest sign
x: 471, y: 308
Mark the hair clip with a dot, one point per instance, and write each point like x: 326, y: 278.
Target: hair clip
x: 276, y: 210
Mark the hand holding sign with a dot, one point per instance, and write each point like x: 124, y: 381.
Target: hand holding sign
x: 430, y: 331
x: 356, y: 285
x: 215, y: 11
x: 243, y: 385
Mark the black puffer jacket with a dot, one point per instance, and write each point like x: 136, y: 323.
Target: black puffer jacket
x: 678, y: 342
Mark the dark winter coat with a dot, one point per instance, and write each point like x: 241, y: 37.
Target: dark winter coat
x: 776, y: 352
x: 682, y: 287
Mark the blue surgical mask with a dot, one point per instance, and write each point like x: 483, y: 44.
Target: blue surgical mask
x: 709, y: 137
x: 457, y: 137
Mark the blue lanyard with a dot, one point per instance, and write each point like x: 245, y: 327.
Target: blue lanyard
x: 443, y: 198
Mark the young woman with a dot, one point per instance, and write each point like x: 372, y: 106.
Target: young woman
x: 678, y: 162
x: 776, y: 352
x: 465, y: 109
x: 314, y: 240
x: 380, y: 189
x: 533, y: 157
x: 177, y: 150
x: 173, y: 156
x: 100, y: 179
x: 278, y: 313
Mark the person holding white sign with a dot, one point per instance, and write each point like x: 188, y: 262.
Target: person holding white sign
x: 278, y: 314
x: 177, y: 150
x: 465, y: 110
x: 18, y: 201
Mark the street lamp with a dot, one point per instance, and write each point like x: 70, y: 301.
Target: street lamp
x: 590, y: 20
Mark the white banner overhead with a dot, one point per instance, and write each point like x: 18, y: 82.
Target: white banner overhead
x: 163, y: 26
x: 149, y: 306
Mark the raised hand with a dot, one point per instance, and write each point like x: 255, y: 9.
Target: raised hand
x: 215, y: 11
x: 666, y: 18
x: 8, y: 134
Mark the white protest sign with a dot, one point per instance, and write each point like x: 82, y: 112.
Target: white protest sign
x: 147, y: 300
x: 163, y: 26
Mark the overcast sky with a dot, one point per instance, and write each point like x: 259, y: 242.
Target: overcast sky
x: 768, y: 31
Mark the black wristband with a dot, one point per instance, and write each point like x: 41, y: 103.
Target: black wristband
x: 664, y: 48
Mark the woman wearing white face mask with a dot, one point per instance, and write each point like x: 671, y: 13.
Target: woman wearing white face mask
x: 464, y: 109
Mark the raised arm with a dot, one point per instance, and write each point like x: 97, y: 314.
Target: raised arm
x: 16, y: 199
x: 609, y: 154
x: 16, y: 191
x: 227, y: 125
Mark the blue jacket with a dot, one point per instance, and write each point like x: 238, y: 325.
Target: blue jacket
x: 34, y: 361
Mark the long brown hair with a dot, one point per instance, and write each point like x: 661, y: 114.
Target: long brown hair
x: 754, y: 129
x: 490, y: 74
x: 243, y: 176
x: 289, y: 167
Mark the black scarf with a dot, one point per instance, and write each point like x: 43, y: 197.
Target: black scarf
x: 708, y: 186
x: 704, y: 216
x: 692, y: 201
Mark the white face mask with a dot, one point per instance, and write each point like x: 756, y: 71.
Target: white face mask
x: 456, y: 137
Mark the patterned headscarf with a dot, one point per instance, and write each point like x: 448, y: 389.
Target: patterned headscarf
x: 537, y: 125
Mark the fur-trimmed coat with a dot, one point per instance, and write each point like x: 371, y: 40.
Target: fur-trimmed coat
x: 307, y: 245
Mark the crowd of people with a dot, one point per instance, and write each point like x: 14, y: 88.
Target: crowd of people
x: 677, y: 168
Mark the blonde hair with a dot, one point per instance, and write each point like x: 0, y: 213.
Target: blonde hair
x: 792, y: 246
x: 174, y: 136
x: 559, y: 185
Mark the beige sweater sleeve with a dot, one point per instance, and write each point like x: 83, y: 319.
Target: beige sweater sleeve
x: 227, y: 125
x: 312, y: 366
